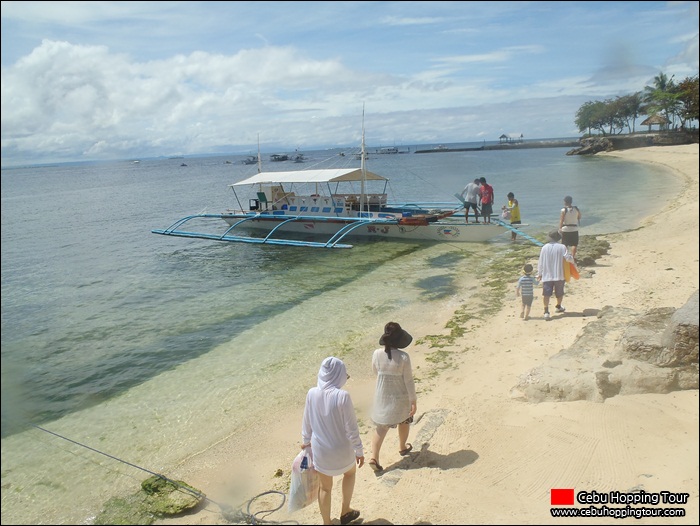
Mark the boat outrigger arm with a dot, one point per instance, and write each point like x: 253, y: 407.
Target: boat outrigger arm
x: 333, y: 242
x: 510, y: 227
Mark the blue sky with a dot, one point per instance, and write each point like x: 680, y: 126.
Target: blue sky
x: 120, y: 80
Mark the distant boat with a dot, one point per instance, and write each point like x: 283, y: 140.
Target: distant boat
x: 391, y: 149
x: 136, y: 162
x: 299, y: 158
x: 251, y: 159
x: 183, y: 164
x: 277, y: 157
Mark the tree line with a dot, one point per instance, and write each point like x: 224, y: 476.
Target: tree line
x: 676, y: 102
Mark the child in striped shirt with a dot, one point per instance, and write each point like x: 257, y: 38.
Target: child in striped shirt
x: 526, y: 290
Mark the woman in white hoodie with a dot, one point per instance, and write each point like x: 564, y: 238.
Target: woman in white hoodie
x: 329, y: 427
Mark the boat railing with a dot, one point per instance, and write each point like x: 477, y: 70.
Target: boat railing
x: 354, y: 201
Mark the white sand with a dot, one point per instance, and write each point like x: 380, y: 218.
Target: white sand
x: 482, y: 457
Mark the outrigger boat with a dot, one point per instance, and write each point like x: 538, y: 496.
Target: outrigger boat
x: 327, y: 207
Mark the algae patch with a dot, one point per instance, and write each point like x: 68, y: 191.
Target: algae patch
x: 157, y: 498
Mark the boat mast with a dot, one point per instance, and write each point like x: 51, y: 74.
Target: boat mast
x: 362, y: 163
x: 259, y: 158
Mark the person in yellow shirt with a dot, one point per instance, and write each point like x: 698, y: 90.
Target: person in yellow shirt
x: 513, y: 207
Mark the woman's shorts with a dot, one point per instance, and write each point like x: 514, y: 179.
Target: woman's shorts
x: 569, y: 239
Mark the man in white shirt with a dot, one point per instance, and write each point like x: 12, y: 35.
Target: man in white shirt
x: 550, y: 272
x: 471, y: 199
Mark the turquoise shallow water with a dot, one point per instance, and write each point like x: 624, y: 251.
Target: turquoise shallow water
x: 135, y: 343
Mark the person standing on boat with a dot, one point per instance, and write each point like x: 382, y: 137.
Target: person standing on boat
x: 471, y: 199
x: 569, y: 221
x: 486, y: 192
x: 330, y: 428
x: 395, y: 393
x: 513, y: 207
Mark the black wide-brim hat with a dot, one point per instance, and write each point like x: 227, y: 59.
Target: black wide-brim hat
x: 403, y: 339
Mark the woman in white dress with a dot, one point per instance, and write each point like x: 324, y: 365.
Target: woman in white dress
x: 395, y: 392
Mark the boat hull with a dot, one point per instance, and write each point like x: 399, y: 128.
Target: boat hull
x: 439, y: 231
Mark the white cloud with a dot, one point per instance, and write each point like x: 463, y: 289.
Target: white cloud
x: 152, y: 93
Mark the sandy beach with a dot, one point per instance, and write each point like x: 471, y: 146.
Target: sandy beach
x: 481, y: 456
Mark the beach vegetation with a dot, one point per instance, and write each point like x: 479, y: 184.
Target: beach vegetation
x: 688, y: 93
x: 673, y: 104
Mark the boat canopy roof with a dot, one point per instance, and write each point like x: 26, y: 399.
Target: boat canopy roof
x: 311, y: 176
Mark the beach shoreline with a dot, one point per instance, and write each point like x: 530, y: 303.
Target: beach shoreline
x: 482, y: 456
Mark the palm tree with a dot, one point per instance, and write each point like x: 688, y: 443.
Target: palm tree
x: 660, y: 97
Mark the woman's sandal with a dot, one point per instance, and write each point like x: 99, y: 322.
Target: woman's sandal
x: 375, y: 466
x: 349, y: 517
x: 406, y: 451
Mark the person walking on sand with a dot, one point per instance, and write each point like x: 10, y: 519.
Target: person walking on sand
x: 513, y: 208
x: 569, y: 221
x: 395, y: 393
x: 471, y: 199
x: 526, y: 290
x: 330, y: 428
x: 486, y: 192
x: 550, y: 272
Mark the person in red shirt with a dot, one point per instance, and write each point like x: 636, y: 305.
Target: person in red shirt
x: 486, y: 191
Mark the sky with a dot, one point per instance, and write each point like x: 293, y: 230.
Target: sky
x: 84, y: 81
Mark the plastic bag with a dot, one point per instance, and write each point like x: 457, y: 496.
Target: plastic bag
x: 304, y: 487
x: 505, y: 215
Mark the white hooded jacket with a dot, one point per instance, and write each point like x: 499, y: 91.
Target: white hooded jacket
x: 329, y: 422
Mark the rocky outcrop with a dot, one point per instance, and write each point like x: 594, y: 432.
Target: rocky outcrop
x: 622, y: 352
x: 591, y: 145
x: 607, y: 143
x: 158, y: 498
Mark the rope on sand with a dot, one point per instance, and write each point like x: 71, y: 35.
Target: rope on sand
x: 247, y: 517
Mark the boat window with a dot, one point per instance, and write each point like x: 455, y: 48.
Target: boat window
x: 303, y: 209
x: 326, y: 209
x: 293, y: 208
x: 314, y: 209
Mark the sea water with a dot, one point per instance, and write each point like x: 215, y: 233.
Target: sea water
x: 151, y: 348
